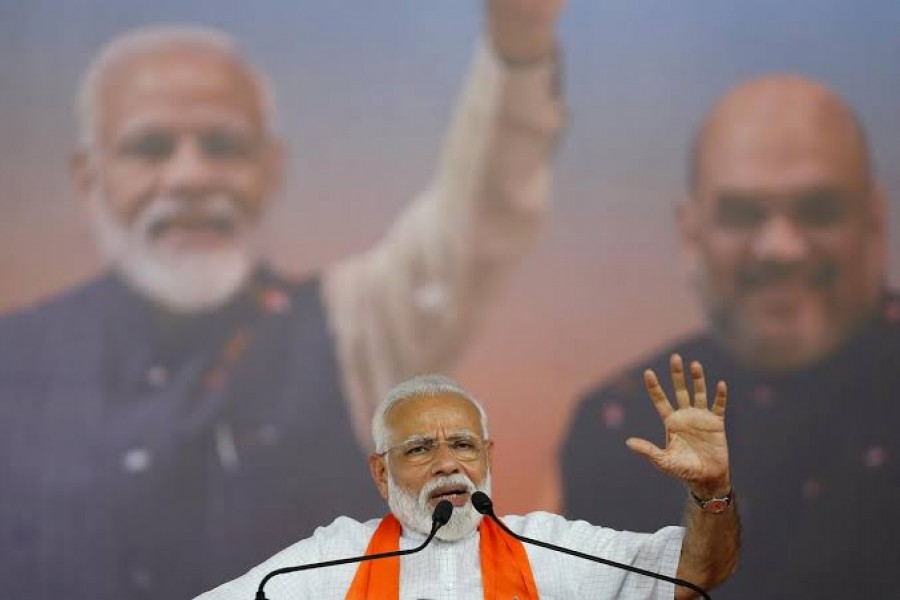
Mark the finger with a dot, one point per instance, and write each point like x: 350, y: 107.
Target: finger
x: 699, y: 383
x: 682, y: 396
x: 721, y: 399
x: 657, y: 394
x: 647, y: 449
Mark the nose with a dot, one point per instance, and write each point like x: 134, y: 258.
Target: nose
x: 780, y: 240
x: 188, y: 172
x: 445, y: 462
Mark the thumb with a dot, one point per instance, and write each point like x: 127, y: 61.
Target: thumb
x: 648, y: 450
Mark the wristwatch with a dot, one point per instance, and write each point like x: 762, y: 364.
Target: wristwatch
x: 714, y: 505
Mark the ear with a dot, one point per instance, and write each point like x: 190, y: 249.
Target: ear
x: 378, y: 469
x: 81, y: 173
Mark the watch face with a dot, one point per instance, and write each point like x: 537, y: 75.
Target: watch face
x: 716, y: 505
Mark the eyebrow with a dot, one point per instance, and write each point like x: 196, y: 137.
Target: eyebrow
x: 143, y: 123
x: 418, y: 437
x: 793, y: 193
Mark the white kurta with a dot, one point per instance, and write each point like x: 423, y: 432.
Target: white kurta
x: 451, y: 570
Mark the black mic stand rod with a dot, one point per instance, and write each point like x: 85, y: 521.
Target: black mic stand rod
x: 485, y: 506
x: 439, y: 519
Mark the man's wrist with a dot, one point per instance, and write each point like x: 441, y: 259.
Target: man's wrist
x: 714, y: 503
x: 520, y: 44
x: 710, y: 488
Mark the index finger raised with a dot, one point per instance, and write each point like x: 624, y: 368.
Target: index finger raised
x: 657, y: 394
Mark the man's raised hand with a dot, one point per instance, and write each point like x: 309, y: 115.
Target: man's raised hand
x: 696, y: 450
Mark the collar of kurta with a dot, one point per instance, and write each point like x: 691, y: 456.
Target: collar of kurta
x: 505, y: 570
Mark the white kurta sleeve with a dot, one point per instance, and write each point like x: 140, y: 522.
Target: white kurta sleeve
x: 344, y: 538
x: 409, y: 304
x: 559, y: 575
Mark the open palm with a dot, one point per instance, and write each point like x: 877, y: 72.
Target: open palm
x: 696, y: 450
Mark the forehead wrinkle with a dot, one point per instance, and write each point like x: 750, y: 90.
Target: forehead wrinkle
x: 428, y: 408
x: 419, y: 437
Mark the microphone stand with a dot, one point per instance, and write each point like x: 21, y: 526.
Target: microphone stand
x: 439, y: 518
x: 485, y: 506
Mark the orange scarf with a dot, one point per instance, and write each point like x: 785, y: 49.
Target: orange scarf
x: 505, y: 571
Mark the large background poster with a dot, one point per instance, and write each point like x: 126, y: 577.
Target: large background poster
x: 364, y: 92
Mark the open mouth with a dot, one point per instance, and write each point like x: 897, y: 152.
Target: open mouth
x: 457, y: 494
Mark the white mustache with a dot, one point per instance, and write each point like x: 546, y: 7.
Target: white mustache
x: 438, y: 482
x: 220, y: 211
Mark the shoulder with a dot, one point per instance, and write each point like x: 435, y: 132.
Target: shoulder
x: 345, y: 530
x: 344, y: 537
x: 554, y: 528
x: 56, y: 324
x: 56, y: 307
x: 558, y: 530
x: 341, y: 538
x: 540, y: 524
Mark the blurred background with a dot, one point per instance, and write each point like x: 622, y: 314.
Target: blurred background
x: 364, y: 92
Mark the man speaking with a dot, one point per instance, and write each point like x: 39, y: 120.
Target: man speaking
x: 432, y: 445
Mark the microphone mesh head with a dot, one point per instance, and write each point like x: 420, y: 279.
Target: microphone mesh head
x: 442, y: 512
x: 482, y: 503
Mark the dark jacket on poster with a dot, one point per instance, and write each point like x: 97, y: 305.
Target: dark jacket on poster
x: 815, y: 457
x: 144, y: 456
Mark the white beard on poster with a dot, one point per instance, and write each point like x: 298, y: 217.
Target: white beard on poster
x: 182, y: 280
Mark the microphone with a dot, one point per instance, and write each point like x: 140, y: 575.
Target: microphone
x: 439, y: 518
x: 485, y: 506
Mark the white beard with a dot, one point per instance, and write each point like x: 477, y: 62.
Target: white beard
x: 415, y: 514
x: 181, y: 281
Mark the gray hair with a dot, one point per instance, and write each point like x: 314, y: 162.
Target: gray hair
x: 421, y: 386
x: 157, y: 38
